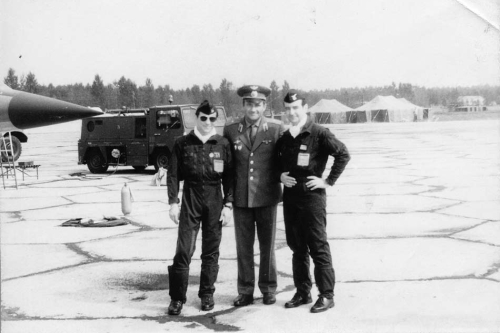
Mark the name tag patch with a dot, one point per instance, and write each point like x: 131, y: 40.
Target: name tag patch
x: 218, y: 165
x: 303, y: 147
x: 303, y: 159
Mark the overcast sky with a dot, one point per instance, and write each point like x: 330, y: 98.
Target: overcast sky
x: 315, y: 44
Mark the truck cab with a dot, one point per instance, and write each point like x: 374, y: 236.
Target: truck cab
x: 137, y: 137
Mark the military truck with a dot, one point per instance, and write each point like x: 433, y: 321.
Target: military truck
x: 137, y: 137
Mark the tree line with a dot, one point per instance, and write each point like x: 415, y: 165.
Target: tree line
x: 126, y: 93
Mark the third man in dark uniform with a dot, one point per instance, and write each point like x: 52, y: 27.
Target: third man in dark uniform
x: 304, y: 150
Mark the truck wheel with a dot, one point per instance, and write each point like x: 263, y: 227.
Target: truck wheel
x: 161, y: 160
x: 16, y: 146
x: 95, y: 162
x: 139, y: 167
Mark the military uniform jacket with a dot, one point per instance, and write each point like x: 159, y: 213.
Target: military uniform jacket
x: 199, y: 164
x: 307, y: 153
x: 256, y: 171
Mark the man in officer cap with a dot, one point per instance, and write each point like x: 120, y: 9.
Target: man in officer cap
x: 303, y: 153
x: 203, y: 160
x: 257, y: 192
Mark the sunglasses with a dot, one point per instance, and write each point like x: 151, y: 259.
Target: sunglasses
x: 204, y: 118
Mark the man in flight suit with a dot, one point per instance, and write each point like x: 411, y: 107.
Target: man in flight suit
x: 202, y: 159
x: 257, y: 192
x: 304, y: 151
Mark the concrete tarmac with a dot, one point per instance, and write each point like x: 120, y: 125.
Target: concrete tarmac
x: 413, y: 224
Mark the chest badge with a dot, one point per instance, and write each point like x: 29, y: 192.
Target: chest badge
x: 237, y: 144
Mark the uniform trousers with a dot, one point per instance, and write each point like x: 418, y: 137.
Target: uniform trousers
x: 201, y: 205
x: 246, y: 220
x: 305, y: 223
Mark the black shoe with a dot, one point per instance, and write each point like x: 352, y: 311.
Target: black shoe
x: 322, y: 304
x: 207, y: 302
x: 298, y: 300
x: 243, y: 300
x: 269, y: 298
x: 175, y: 307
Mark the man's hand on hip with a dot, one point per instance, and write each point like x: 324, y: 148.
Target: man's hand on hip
x: 316, y: 182
x: 287, y: 180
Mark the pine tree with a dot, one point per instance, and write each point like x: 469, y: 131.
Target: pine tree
x: 11, y: 79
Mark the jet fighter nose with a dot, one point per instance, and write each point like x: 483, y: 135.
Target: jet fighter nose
x: 27, y: 110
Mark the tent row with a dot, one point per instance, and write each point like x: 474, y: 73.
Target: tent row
x: 379, y: 109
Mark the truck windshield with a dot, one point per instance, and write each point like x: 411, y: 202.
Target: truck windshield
x: 167, y: 119
x: 189, y: 114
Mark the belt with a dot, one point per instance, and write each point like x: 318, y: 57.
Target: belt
x: 301, y: 179
x: 191, y: 183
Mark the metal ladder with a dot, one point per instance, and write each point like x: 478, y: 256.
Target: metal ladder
x: 7, y: 152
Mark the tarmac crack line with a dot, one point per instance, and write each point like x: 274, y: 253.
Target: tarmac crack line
x: 209, y: 320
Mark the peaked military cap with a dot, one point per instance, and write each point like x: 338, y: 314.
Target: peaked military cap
x: 205, y: 107
x: 293, y: 95
x: 253, y: 91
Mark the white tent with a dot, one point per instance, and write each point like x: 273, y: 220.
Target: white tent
x: 388, y: 109
x: 420, y: 113
x: 329, y: 111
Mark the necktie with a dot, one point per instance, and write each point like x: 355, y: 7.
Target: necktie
x: 253, y: 133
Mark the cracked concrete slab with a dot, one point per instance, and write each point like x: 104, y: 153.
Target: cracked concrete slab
x: 495, y: 275
x: 404, y: 259
x: 459, y: 180
x: 24, y: 259
x: 426, y: 306
x: 486, y: 210
x: 115, y: 290
x: 155, y: 220
x: 83, y: 325
x: 51, y: 232
x: 151, y: 194
x: 45, y: 192
x: 15, y: 205
x: 93, y: 210
x: 90, y: 181
x: 351, y: 226
x: 385, y: 204
x: 375, y: 189
x: 469, y: 193
x: 488, y: 233
x: 368, y: 179
x: 146, y: 245
x: 411, y: 235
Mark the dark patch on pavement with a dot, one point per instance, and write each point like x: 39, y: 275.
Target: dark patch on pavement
x: 209, y: 321
x: 142, y: 282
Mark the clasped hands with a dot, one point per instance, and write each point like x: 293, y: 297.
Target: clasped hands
x: 313, y: 184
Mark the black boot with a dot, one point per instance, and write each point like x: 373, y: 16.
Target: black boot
x: 207, y: 302
x: 175, y: 307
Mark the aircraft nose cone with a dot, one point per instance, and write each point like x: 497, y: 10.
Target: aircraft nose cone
x: 28, y: 111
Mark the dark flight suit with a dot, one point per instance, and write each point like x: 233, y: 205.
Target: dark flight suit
x: 257, y: 192
x: 305, y: 210
x: 202, y: 167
